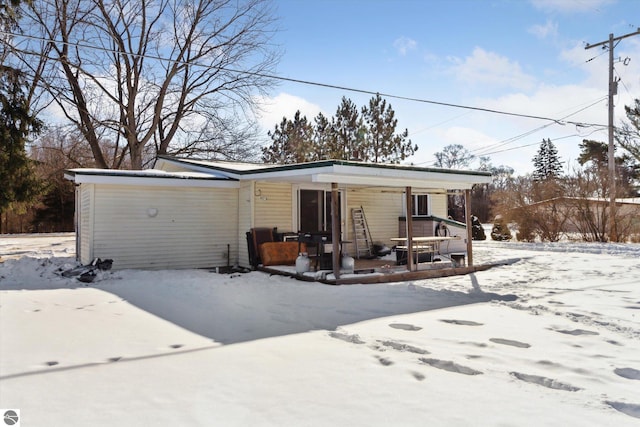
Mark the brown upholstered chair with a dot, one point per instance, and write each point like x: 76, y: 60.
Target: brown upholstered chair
x: 260, y: 235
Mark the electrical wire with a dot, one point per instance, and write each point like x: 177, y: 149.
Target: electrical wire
x: 309, y: 82
x: 481, y: 151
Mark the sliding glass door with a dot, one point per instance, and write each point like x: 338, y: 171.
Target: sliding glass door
x: 314, y: 210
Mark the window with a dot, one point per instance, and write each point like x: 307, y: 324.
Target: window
x: 420, y: 205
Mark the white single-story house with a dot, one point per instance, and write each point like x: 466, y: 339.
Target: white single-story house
x: 187, y: 213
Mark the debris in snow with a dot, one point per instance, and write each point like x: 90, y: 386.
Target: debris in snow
x: 88, y: 273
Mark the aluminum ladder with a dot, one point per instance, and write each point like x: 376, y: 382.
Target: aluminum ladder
x: 361, y: 234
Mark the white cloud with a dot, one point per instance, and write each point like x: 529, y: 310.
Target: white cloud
x: 550, y: 29
x: 404, y: 44
x: 471, y: 139
x: 484, y: 67
x: 570, y: 6
x: 285, y: 105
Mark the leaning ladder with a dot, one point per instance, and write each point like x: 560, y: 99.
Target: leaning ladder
x: 361, y: 234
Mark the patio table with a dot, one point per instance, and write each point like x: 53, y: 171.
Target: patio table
x: 426, y: 244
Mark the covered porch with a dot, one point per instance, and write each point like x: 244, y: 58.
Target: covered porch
x: 347, y: 178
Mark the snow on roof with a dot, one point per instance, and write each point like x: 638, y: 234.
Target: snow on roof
x: 630, y: 200
x: 157, y: 173
x: 154, y: 177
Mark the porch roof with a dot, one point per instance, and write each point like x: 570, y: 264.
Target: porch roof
x: 338, y: 171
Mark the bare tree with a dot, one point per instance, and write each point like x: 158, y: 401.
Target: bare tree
x: 151, y: 76
x: 545, y: 220
x: 453, y: 156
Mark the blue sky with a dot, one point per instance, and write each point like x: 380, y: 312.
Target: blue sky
x: 518, y: 56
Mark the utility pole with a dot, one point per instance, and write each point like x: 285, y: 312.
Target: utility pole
x: 613, y: 87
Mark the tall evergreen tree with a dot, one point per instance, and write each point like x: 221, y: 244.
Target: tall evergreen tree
x: 628, y: 134
x: 292, y: 142
x: 594, y: 155
x: 382, y: 143
x: 546, y: 162
x: 347, y: 132
x: 321, y: 137
x: 546, y: 182
x: 348, y: 135
x: 17, y: 178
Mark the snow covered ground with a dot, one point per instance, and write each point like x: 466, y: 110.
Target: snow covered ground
x: 550, y: 340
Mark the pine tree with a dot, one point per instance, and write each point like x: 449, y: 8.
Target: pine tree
x: 347, y: 132
x: 547, y: 172
x: 546, y: 162
x: 321, y: 137
x: 347, y: 136
x: 628, y: 134
x: 292, y: 142
x: 382, y: 143
x: 19, y: 183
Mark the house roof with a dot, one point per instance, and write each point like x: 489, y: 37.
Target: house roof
x: 596, y: 200
x: 338, y: 171
x: 153, y: 177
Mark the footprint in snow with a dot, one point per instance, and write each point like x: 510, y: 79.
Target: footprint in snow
x: 576, y: 332
x: 545, y: 382
x: 354, y: 339
x: 512, y: 343
x: 51, y: 363
x: 418, y: 375
x: 404, y: 327
x: 628, y: 373
x: 403, y: 347
x: 447, y: 365
x: 176, y: 346
x: 475, y: 344
x: 630, y: 409
x: 384, y: 361
x: 461, y: 322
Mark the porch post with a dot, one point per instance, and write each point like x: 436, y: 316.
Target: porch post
x: 409, y: 223
x: 467, y: 218
x: 335, y: 230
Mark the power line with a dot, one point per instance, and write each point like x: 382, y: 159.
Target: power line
x: 517, y: 137
x: 482, y: 151
x: 309, y: 82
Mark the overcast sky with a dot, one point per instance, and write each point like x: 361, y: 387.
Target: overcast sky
x: 516, y: 56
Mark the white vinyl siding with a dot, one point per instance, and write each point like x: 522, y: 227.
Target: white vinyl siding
x: 273, y: 206
x: 381, y: 210
x: 85, y: 223
x: 439, y: 205
x: 191, y: 229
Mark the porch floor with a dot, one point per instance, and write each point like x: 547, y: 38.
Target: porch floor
x: 378, y: 271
